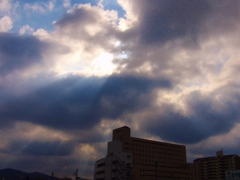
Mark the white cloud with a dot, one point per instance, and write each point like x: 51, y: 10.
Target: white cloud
x: 130, y: 9
x: 5, y: 24
x: 42, y: 34
x: 89, y: 43
x: 26, y: 30
x: 35, y: 7
x: 40, y: 7
x: 31, y: 132
x: 50, y: 5
x: 5, y: 6
x: 87, y: 152
x: 66, y: 3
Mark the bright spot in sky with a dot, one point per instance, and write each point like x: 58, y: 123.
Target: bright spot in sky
x: 102, y: 65
x: 122, y: 55
x: 117, y: 43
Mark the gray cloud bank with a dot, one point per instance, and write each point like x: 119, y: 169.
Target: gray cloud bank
x: 80, y: 103
x: 17, y: 52
x: 206, y: 118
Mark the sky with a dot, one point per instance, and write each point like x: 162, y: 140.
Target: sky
x: 71, y: 71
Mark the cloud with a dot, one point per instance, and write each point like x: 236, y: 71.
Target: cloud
x: 34, y: 8
x: 82, y: 102
x: 38, y: 147
x: 26, y: 29
x: 5, y: 24
x: 66, y: 3
x: 27, y: 51
x: 40, y: 7
x: 167, y: 69
x: 178, y: 52
x: 215, y: 143
x: 5, y: 6
x: 88, y: 23
x: 23, y: 131
x: 46, y: 148
x: 206, y: 116
x: 162, y: 21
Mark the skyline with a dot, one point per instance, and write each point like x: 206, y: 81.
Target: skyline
x: 71, y: 71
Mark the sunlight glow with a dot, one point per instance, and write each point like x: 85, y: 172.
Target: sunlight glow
x: 102, y: 65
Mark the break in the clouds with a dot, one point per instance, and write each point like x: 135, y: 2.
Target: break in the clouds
x: 72, y: 71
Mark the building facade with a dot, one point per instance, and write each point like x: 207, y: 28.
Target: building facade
x: 216, y: 167
x: 143, y: 159
x: 232, y: 175
x: 116, y: 165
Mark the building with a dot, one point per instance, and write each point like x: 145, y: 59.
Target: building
x: 216, y: 167
x: 141, y: 159
x: 232, y: 175
x: 116, y: 165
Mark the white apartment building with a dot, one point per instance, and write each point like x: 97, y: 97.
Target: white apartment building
x: 117, y: 165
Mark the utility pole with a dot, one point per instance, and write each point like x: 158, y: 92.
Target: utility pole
x: 76, y: 173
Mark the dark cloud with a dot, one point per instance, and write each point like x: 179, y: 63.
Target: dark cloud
x: 205, y: 120
x: 128, y: 94
x: 82, y: 102
x: 160, y: 21
x: 49, y: 149
x: 210, y: 150
x: 174, y: 35
x: 17, y: 52
x: 36, y: 148
x: 219, y: 23
x: 63, y: 104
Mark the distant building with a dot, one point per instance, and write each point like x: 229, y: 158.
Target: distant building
x: 216, y: 167
x: 232, y: 175
x: 130, y: 158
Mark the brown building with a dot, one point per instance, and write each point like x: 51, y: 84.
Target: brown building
x: 153, y: 160
x: 216, y: 167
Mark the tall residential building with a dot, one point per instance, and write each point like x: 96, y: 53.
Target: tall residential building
x: 141, y: 159
x: 216, y: 167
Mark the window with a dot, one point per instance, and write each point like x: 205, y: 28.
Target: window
x: 101, y: 172
x: 100, y: 165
